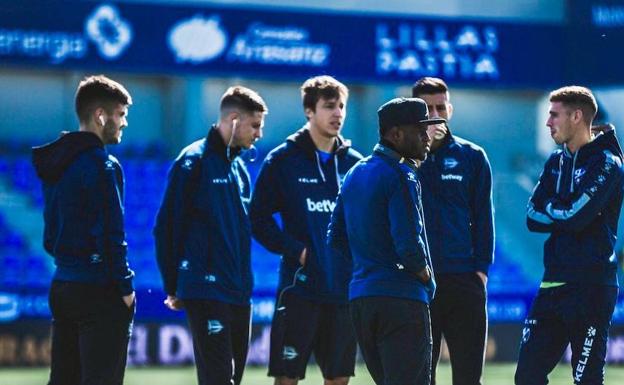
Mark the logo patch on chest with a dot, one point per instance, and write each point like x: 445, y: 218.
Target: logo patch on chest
x: 450, y: 163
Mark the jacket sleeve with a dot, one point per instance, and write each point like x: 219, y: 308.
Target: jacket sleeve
x: 337, y: 238
x: 111, y: 236
x: 537, y: 219
x: 594, y: 191
x: 266, y: 200
x: 482, y: 214
x: 406, y: 228
x: 171, y: 222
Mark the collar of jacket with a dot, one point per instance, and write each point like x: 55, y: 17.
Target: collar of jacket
x: 215, y: 142
x: 385, y: 148
x: 302, y: 139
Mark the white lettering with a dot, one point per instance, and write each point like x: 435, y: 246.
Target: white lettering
x: 176, y: 345
x: 452, y: 177
x: 324, y: 206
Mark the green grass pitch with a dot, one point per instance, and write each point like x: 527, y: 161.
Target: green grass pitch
x: 495, y: 374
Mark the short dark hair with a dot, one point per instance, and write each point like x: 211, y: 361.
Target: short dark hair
x: 577, y: 98
x: 243, y: 99
x: 325, y: 87
x: 429, y: 86
x: 99, y: 91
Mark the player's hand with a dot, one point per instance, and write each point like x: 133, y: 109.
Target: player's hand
x: 424, y: 275
x: 129, y: 299
x: 303, y: 256
x: 483, y: 277
x: 437, y: 131
x: 173, y: 303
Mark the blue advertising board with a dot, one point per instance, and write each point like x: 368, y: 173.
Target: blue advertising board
x: 209, y: 40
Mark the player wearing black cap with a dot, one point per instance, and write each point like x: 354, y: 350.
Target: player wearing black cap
x: 378, y: 223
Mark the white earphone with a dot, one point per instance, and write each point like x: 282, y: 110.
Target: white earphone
x: 101, y: 120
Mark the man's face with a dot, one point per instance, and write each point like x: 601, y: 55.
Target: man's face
x: 247, y: 129
x: 560, y: 123
x: 439, y: 107
x: 114, y: 124
x: 415, y: 142
x: 328, y: 117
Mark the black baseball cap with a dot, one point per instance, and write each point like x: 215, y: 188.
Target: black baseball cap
x: 403, y: 111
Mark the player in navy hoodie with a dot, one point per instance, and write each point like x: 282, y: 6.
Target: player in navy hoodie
x: 577, y: 201
x: 300, y: 180
x: 92, y: 295
x: 457, y: 198
x: 203, y: 238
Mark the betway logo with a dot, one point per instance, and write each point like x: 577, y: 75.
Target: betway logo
x: 324, y: 206
x: 452, y: 177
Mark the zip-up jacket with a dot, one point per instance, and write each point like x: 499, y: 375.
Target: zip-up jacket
x: 202, y: 232
x: 457, y: 197
x: 378, y: 224
x: 577, y: 200
x: 296, y: 184
x: 83, y: 189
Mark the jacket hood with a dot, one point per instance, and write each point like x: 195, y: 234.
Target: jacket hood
x: 605, y: 139
x: 52, y: 159
x: 303, y: 140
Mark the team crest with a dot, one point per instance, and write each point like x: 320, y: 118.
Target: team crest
x: 450, y: 163
x: 578, y: 174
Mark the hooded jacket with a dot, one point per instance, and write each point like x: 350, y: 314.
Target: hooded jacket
x: 577, y: 200
x: 83, y: 189
x: 378, y: 223
x: 296, y: 184
x: 202, y: 232
x: 457, y: 197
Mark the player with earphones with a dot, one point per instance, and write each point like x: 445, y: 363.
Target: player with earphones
x: 92, y: 294
x: 203, y: 238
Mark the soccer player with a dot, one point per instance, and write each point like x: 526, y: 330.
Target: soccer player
x: 577, y: 202
x: 300, y: 180
x: 457, y: 198
x: 92, y: 294
x: 203, y: 238
x: 378, y: 223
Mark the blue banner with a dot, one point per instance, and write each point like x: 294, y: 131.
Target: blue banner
x: 157, y: 38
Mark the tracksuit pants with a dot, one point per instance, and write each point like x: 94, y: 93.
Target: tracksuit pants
x: 458, y: 311
x: 91, y: 327
x: 220, y: 340
x: 573, y: 313
x: 394, y: 335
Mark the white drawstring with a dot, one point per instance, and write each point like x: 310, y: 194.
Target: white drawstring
x: 318, y: 164
x: 229, y: 145
x: 338, y: 179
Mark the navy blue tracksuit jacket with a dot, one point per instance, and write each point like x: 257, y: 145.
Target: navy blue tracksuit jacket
x: 378, y: 223
x: 202, y: 232
x: 577, y: 200
x: 457, y: 198
x: 83, y: 188
x: 296, y: 184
